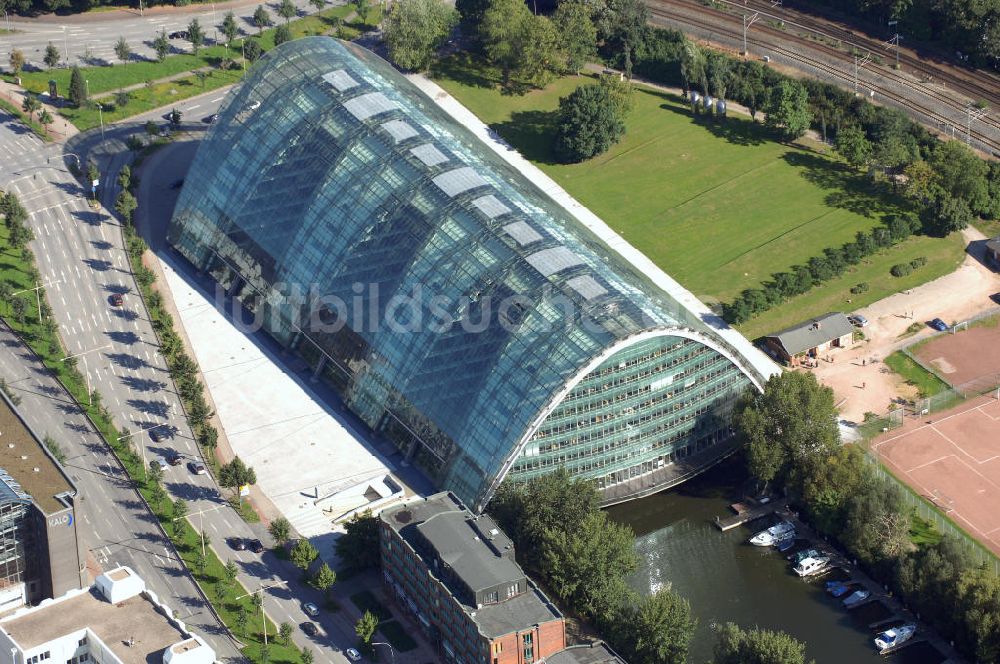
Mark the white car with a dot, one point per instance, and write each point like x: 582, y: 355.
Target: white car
x: 353, y: 655
x: 254, y: 106
x: 311, y: 609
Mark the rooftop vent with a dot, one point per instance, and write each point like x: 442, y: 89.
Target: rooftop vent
x: 37, y: 469
x: 10, y: 445
x: 24, y: 457
x: 494, y: 532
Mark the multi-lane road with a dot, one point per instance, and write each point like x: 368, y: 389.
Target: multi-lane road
x: 82, y: 37
x: 83, y: 263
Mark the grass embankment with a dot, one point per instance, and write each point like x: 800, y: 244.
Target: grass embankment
x: 927, y: 384
x: 17, y: 269
x: 32, y: 124
x: 719, y: 206
x: 105, y: 80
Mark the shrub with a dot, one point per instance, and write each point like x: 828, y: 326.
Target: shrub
x: 589, y: 124
x: 857, y: 289
x: 900, y: 269
x: 919, y: 261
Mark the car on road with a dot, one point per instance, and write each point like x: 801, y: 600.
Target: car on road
x: 178, y: 34
x: 156, y: 434
x: 310, y: 609
x: 353, y: 655
x: 254, y: 106
x: 309, y: 629
x: 237, y: 544
x: 255, y: 545
x: 939, y: 325
x: 857, y: 320
x: 159, y: 461
x: 117, y: 300
x: 212, y: 118
x: 197, y: 468
x: 174, y: 459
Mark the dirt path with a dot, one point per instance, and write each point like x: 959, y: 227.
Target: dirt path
x: 859, y: 379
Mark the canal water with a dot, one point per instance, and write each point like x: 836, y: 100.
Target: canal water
x: 727, y: 580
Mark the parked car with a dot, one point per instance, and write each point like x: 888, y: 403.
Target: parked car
x: 857, y: 320
x: 255, y: 545
x: 310, y: 629
x: 117, y: 300
x: 939, y: 325
x: 353, y: 655
x: 310, y: 609
x: 237, y: 544
x: 197, y: 468
x: 178, y: 34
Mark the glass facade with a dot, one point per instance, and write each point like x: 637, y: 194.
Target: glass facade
x: 451, y: 301
x: 16, y: 529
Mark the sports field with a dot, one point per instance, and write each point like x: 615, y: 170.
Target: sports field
x: 967, y: 356
x: 720, y: 207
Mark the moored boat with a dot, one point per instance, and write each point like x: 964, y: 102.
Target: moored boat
x: 856, y: 597
x: 811, y: 566
x: 776, y: 533
x: 891, y: 638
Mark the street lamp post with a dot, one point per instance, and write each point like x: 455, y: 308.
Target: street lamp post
x: 201, y: 521
x: 142, y: 448
x: 747, y: 22
x: 38, y: 297
x: 260, y: 589
x: 860, y: 62
x: 65, y: 43
x: 86, y: 374
x: 392, y: 651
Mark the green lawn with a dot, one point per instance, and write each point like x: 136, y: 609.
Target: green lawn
x: 922, y: 531
x: 720, y: 207
x: 927, y: 384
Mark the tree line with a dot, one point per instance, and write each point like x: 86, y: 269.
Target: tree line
x: 793, y: 444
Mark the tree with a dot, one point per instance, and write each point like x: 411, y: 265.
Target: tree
x: 285, y: 632
x: 196, y: 35
x: 792, y: 420
x: 877, y: 522
x: 19, y: 309
x: 979, y: 606
x: 17, y: 61
x: 125, y: 205
x: 229, y: 27
x: 262, y: 18
x: 656, y: 629
x: 180, y: 511
x: 362, y: 7
x: 125, y: 177
x: 286, y: 10
x: 365, y: 627
x: 622, y: 25
x: 54, y: 448
x: 318, y: 4
x: 358, y: 546
x: 307, y: 656
x: 202, y: 75
x: 787, y: 109
x: 826, y: 483
x: 757, y: 646
x: 280, y: 530
x: 123, y: 50
x: 242, y: 619
x: 230, y: 571
x: 77, y: 87
x: 161, y: 45
x: 52, y: 55
x: 471, y: 14
x: 303, y: 553
x: 236, y: 474
x: 587, y: 567
x: 282, y: 35
x: 415, y: 29
x: 522, y: 45
x: 589, y: 124
x: 30, y: 105
x: 853, y: 145
x: 323, y: 578
x: 694, y: 68
x: 45, y: 118
x: 252, y: 50
x: 577, y: 34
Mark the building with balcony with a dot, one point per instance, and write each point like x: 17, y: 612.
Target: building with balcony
x: 462, y: 313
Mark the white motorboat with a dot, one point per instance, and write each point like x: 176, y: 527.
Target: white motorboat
x: 774, y: 534
x: 891, y: 638
x: 811, y: 566
x: 856, y: 597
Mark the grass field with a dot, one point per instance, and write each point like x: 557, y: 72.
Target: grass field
x: 927, y: 384
x: 720, y: 207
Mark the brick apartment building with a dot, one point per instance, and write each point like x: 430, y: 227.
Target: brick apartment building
x: 455, y: 573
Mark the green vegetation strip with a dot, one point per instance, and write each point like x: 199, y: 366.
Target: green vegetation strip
x: 927, y: 384
x: 720, y: 206
x: 18, y: 271
x: 32, y: 124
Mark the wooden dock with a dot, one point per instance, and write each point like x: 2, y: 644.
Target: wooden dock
x: 753, y: 512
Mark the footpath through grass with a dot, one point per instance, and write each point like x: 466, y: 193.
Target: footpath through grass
x: 718, y: 206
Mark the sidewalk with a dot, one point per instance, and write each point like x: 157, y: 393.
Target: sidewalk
x: 60, y: 129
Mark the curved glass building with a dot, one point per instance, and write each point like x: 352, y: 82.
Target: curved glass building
x: 462, y: 313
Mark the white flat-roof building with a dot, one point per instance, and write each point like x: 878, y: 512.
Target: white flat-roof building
x: 116, y: 621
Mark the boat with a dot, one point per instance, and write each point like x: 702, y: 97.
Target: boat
x: 842, y: 589
x: 811, y: 566
x: 856, y: 597
x: 786, y: 544
x: 891, y: 638
x: 802, y: 555
x: 773, y: 535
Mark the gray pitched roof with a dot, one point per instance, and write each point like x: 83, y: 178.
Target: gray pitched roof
x: 993, y: 244
x: 458, y: 544
x: 813, y: 332
x: 588, y: 653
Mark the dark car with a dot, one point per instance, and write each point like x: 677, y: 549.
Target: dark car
x: 212, y: 118
x: 256, y: 546
x: 156, y: 434
x: 197, y: 468
x: 310, y: 629
x: 117, y: 300
x: 237, y: 544
x: 178, y: 34
x: 174, y: 459
x: 939, y: 325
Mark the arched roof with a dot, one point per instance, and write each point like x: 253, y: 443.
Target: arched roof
x: 329, y: 168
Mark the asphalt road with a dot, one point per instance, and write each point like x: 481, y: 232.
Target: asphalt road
x: 115, y: 527
x: 94, y: 35
x: 82, y: 261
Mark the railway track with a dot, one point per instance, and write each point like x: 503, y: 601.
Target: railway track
x: 985, y: 131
